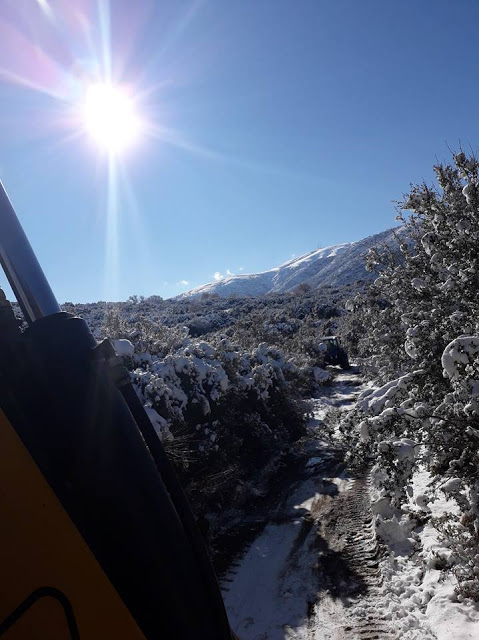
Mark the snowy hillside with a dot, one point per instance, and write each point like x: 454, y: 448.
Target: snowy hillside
x: 336, y: 265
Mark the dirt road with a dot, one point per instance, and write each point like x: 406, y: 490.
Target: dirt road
x: 313, y: 571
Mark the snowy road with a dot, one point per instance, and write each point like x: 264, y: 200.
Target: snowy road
x: 311, y: 575
x: 316, y: 571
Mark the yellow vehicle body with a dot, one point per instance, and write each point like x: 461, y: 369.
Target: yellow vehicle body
x: 52, y: 586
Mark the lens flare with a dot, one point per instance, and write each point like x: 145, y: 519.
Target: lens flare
x: 110, y: 117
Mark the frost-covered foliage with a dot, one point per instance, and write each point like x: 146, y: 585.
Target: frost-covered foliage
x: 423, y: 348
x: 372, y: 314
x: 292, y: 322
x: 231, y: 409
x: 222, y: 379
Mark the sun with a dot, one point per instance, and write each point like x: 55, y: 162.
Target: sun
x: 110, y: 117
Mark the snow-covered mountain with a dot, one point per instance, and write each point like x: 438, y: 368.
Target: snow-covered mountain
x: 335, y: 265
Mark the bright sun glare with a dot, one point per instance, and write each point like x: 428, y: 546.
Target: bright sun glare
x: 110, y: 117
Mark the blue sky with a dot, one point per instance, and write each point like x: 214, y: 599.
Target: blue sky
x: 272, y: 127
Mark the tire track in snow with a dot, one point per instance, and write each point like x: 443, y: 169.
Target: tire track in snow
x: 349, y: 609
x: 313, y: 573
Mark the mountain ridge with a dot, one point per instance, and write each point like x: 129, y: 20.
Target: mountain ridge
x: 334, y: 265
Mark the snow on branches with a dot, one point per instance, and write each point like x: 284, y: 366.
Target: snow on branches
x: 423, y: 342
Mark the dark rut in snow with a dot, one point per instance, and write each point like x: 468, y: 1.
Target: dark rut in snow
x: 348, y: 526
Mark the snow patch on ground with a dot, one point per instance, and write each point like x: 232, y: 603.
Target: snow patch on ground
x: 268, y: 595
x: 423, y: 604
x: 255, y: 609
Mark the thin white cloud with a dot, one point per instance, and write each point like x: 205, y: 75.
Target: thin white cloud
x: 183, y: 283
x: 241, y: 269
x: 221, y: 276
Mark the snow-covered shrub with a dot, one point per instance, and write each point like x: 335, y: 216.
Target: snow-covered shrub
x: 463, y: 558
x: 424, y: 346
x: 222, y: 378
x: 232, y: 409
x: 147, y: 335
x: 371, y: 315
